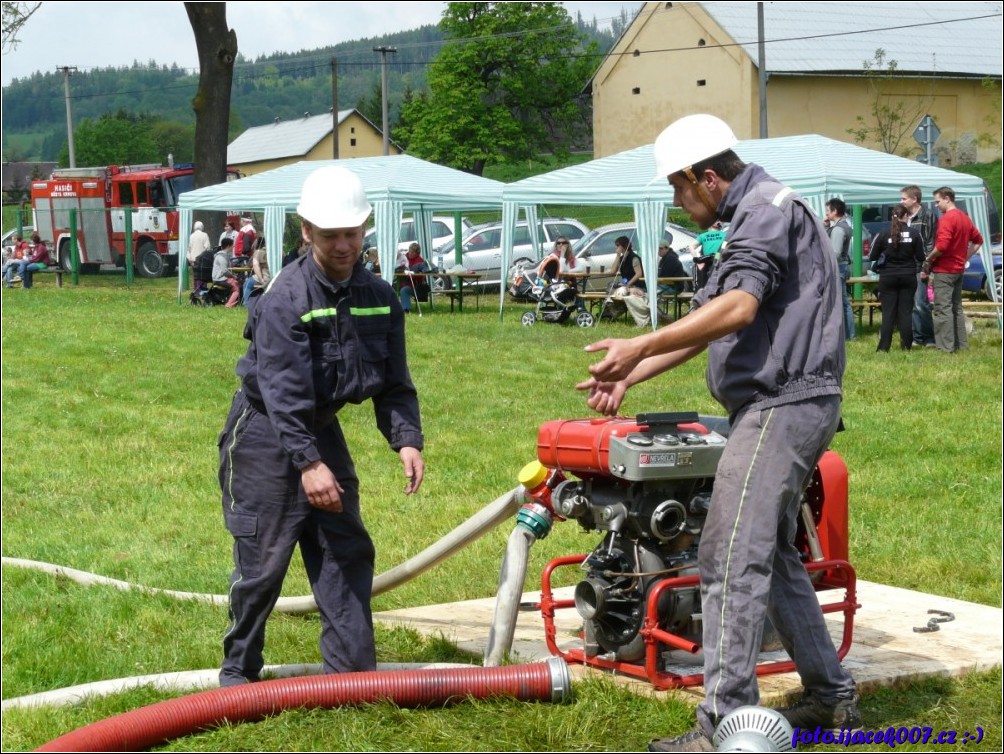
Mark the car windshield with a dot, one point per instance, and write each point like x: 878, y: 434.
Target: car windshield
x: 585, y: 241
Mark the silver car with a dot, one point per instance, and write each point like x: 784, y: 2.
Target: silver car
x: 482, y: 247
x: 597, y: 250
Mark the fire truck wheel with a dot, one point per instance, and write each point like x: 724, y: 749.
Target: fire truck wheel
x: 65, y: 258
x: 149, y: 262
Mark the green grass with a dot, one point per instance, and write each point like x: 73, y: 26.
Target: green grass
x: 113, y: 398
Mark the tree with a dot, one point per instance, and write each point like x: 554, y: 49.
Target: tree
x: 891, y: 117
x: 371, y: 106
x: 505, y: 86
x: 120, y: 138
x: 15, y: 15
x: 217, y: 48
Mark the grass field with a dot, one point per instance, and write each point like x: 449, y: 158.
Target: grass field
x: 113, y: 398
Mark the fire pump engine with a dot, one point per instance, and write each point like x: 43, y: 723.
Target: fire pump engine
x: 102, y: 196
x: 645, y: 484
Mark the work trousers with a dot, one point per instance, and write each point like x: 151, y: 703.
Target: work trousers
x: 748, y: 563
x: 266, y: 511
x: 845, y: 272
x: 923, y: 323
x: 949, y: 319
x: 896, y: 293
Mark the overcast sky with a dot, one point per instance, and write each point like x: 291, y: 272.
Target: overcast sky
x: 99, y: 34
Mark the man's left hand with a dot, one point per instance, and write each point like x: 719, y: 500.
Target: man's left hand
x: 622, y: 357
x: 414, y: 468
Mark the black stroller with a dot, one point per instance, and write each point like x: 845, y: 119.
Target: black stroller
x: 556, y: 301
x: 206, y: 292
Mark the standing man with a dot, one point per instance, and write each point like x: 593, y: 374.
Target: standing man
x: 244, y: 245
x: 770, y: 317
x: 956, y: 240
x: 840, y: 237
x: 927, y: 224
x: 326, y: 332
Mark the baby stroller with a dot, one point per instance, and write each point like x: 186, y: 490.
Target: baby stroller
x: 555, y: 301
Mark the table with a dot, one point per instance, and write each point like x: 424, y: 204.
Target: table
x: 463, y: 280
x: 858, y: 302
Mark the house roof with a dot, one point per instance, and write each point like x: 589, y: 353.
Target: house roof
x: 19, y: 174
x: 282, y: 139
x: 960, y: 38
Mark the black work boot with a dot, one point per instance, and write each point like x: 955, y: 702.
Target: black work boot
x: 811, y: 712
x: 693, y: 740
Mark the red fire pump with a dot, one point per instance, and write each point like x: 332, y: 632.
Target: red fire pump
x: 646, y: 483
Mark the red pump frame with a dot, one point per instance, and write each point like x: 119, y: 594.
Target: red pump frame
x: 840, y: 571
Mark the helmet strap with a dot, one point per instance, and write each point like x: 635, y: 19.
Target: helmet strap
x: 702, y: 192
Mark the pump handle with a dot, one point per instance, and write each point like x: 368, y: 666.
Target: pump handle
x: 672, y: 417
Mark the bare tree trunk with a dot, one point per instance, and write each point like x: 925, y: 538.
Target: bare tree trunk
x: 217, y: 47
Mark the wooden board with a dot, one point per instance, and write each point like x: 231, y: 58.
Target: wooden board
x: 886, y: 650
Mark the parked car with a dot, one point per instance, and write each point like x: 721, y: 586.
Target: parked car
x: 442, y: 233
x: 8, y: 237
x: 597, y: 249
x: 482, y: 247
x: 975, y: 278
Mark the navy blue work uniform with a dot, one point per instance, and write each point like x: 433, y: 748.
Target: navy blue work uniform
x: 315, y: 346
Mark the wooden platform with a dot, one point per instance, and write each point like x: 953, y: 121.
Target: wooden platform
x: 886, y: 650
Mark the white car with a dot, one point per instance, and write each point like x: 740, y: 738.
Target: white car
x: 597, y: 250
x: 482, y: 247
x: 442, y: 233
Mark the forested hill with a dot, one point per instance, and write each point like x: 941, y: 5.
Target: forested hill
x: 281, y: 85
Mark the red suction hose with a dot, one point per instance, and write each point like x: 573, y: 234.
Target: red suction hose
x: 158, y: 723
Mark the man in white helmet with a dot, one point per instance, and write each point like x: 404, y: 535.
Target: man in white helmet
x: 326, y: 332
x: 770, y: 317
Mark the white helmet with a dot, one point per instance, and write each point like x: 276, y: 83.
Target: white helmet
x: 333, y: 197
x: 198, y: 225
x: 690, y: 140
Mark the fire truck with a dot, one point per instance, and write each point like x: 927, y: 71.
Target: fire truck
x: 102, y: 196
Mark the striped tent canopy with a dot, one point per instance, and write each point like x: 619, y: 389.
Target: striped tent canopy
x: 394, y: 185
x: 816, y: 167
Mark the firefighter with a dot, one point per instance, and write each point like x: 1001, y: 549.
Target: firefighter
x: 771, y: 319
x: 326, y: 332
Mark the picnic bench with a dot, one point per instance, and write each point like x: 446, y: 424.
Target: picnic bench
x: 51, y: 269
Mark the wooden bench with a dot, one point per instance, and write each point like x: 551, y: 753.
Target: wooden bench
x: 53, y: 269
x: 860, y: 305
x: 982, y: 309
x: 451, y: 293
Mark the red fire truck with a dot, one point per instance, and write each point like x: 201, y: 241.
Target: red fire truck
x: 102, y: 196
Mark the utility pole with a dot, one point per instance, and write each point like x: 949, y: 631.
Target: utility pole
x: 383, y: 96
x: 334, y: 108
x: 67, y: 70
x: 762, y: 66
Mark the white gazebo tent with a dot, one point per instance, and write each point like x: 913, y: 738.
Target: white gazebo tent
x: 394, y: 185
x: 816, y: 167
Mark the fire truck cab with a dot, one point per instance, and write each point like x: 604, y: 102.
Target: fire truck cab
x: 102, y: 197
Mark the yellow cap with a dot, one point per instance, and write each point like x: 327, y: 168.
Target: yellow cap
x: 533, y: 474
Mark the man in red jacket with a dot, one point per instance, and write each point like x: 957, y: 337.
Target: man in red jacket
x: 957, y: 239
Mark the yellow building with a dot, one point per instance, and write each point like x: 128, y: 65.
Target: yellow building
x: 308, y: 138
x: 675, y: 59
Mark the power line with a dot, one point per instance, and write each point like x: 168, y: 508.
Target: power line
x: 247, y: 72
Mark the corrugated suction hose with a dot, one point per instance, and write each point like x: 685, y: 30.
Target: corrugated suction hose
x: 157, y: 723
